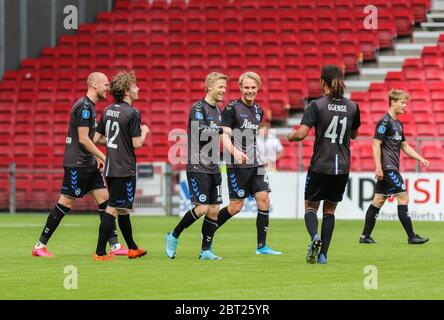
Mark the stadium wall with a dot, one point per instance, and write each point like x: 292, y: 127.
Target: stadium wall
x: 287, y: 197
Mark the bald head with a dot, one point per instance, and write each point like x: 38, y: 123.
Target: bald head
x: 96, y: 77
x: 98, y: 86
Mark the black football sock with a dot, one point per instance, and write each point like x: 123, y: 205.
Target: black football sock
x: 209, y: 227
x: 127, y: 231
x: 113, y: 239
x: 55, y: 216
x: 311, y: 222
x: 328, y: 225
x: 370, y: 220
x: 405, y: 220
x: 105, y: 229
x: 262, y: 221
x: 223, y: 216
x: 187, y: 220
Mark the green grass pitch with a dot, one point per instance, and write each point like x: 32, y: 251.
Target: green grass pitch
x: 403, y: 271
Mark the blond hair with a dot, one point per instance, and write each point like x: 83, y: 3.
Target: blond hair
x: 397, y: 94
x: 251, y: 75
x: 121, y: 83
x: 212, y: 78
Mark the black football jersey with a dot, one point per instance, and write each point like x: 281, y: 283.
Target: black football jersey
x: 391, y: 132
x: 83, y: 114
x: 333, y: 119
x: 120, y: 122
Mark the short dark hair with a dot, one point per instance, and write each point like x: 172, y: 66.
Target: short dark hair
x: 334, y: 78
x: 121, y: 83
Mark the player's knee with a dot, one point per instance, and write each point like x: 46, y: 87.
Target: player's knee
x: 235, y: 208
x: 201, y: 210
x: 66, y: 201
x: 403, y: 198
x: 378, y: 202
x: 213, y: 211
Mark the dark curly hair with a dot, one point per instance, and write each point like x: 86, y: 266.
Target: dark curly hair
x: 334, y: 78
x: 121, y: 83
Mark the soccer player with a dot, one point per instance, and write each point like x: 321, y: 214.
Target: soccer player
x: 120, y: 130
x: 336, y: 119
x: 83, y: 163
x: 203, y: 170
x: 241, y: 120
x: 388, y: 141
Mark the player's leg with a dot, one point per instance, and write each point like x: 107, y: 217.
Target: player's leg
x: 209, y: 225
x: 199, y: 185
x: 107, y: 224
x: 262, y: 222
x: 371, y: 215
x: 238, y: 190
x: 404, y: 217
x: 328, y: 225
x: 101, y: 197
x: 314, y: 193
x: 63, y: 206
x: 311, y: 223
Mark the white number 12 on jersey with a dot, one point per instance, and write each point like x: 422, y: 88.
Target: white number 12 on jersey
x: 114, y: 127
x: 332, y: 130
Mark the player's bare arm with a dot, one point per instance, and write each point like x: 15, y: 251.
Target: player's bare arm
x: 89, y: 145
x: 299, y: 134
x: 379, y: 174
x: 139, y: 141
x: 99, y: 139
x: 408, y: 150
x: 226, y: 141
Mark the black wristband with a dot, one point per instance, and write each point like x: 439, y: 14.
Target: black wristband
x: 221, y: 130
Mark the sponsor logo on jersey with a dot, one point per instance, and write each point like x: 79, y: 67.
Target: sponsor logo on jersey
x: 248, y: 125
x: 397, y: 136
x: 202, y: 198
x: 86, y: 114
x: 199, y: 116
x: 336, y: 107
x: 382, y: 129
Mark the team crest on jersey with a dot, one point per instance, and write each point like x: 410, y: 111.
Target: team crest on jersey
x: 77, y: 192
x: 241, y: 193
x: 199, y: 116
x: 202, y: 198
x: 403, y: 187
x: 86, y: 114
x: 258, y: 117
x: 381, y: 129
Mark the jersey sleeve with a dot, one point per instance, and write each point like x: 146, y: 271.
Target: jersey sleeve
x: 310, y: 115
x: 228, y: 117
x: 134, y: 124
x: 356, y: 119
x: 381, y: 129
x: 101, y: 125
x: 82, y: 115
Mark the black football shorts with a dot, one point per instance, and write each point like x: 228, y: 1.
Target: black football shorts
x: 245, y: 182
x: 321, y: 186
x: 205, y: 188
x: 391, y: 184
x: 78, y: 181
x: 122, y: 191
